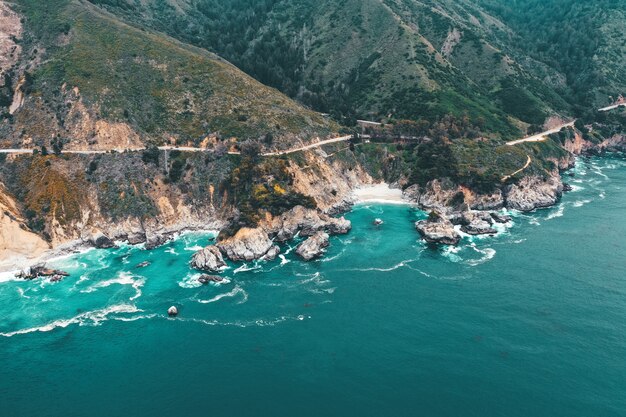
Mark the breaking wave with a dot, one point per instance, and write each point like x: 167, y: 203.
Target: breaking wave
x: 90, y: 318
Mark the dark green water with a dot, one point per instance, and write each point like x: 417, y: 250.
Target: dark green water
x: 529, y: 323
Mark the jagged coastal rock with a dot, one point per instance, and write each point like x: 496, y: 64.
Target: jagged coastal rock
x: 41, y: 270
x: 534, y: 192
x: 313, y: 247
x: 205, y: 279
x: 208, y: 259
x: 438, y: 229
x: 307, y: 222
x: 500, y: 218
x: 101, y: 241
x: 249, y: 244
x: 477, y: 223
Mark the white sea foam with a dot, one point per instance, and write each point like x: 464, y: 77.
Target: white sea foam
x: 9, y: 276
x: 283, y: 260
x: 243, y: 324
x: 232, y: 293
x: 93, y: 318
x: 488, y: 254
x: 384, y: 269
x: 190, y: 281
x: 556, y: 213
x: 123, y: 278
x: 451, y: 252
x: 580, y: 203
x: 194, y: 248
x: 246, y: 268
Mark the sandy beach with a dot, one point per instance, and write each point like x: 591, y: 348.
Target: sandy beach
x: 379, y: 193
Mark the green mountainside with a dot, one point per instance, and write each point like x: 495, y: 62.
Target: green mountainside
x: 450, y: 80
x: 159, y: 87
x: 497, y: 62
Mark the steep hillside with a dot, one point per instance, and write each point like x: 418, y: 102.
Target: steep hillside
x: 584, y: 41
x: 85, y: 77
x: 376, y: 59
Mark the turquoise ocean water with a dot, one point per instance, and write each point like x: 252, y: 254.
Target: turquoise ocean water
x: 529, y: 323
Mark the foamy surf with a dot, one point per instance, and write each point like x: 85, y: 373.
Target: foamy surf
x: 93, y: 318
x: 232, y: 293
x: 123, y: 278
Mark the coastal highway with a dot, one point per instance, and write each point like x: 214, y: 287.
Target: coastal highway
x: 540, y: 137
x: 614, y: 106
x: 185, y: 149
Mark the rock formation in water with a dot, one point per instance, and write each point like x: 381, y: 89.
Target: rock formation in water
x: 438, y: 229
x: 249, y: 244
x: 313, y: 247
x: 477, y: 223
x: 40, y: 270
x: 208, y: 259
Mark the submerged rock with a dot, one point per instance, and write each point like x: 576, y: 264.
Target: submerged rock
x: 56, y: 278
x: 142, y: 264
x: 249, y: 244
x: 438, y: 229
x: 208, y: 259
x: 378, y: 222
x: 172, y: 311
x: 313, y: 247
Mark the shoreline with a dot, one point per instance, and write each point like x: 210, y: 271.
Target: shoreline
x: 79, y: 246
x: 380, y: 193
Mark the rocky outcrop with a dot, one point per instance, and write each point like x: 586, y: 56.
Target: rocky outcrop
x: 154, y: 240
x: 534, y: 192
x: 101, y: 241
x: 438, y: 229
x: 249, y: 244
x: 473, y: 222
x: 440, y: 195
x: 40, y: 270
x: 500, y: 218
x: 208, y: 259
x: 478, y: 223
x: 205, y: 279
x: 307, y: 222
x: 313, y: 247
x: 492, y: 201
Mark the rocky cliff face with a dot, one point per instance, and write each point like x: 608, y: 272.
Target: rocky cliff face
x: 18, y: 246
x: 534, y: 192
x: 329, y: 183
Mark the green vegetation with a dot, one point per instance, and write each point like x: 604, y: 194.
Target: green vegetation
x: 257, y: 185
x: 159, y: 86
